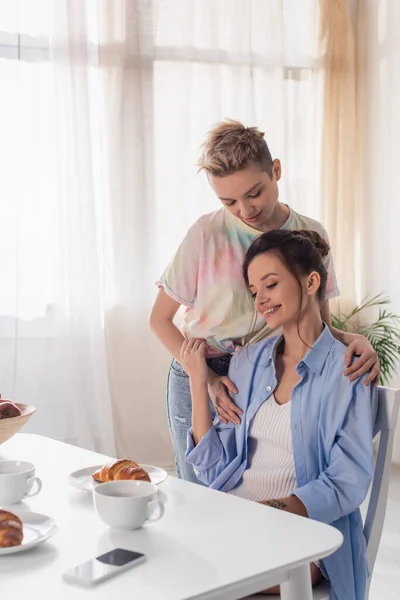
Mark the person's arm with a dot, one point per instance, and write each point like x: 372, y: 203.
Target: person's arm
x: 367, y: 359
x: 193, y: 357
x: 211, y: 447
x: 214, y: 452
x: 177, y: 286
x: 343, y: 485
x: 341, y: 488
x: 291, y: 504
x: 162, y: 324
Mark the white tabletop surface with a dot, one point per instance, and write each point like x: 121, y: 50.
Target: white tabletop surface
x: 207, y: 545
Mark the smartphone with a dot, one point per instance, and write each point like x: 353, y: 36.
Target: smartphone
x: 103, y: 567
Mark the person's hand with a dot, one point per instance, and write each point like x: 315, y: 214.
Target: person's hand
x: 367, y: 361
x: 218, y: 387
x: 193, y: 360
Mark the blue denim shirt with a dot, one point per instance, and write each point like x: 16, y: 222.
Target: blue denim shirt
x: 331, y: 423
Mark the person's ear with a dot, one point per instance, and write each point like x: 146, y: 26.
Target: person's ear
x: 313, y: 283
x: 276, y: 169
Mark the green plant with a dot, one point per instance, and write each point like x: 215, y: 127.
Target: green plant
x: 384, y: 333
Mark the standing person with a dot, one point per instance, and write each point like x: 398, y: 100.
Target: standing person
x: 205, y: 276
x: 305, y: 441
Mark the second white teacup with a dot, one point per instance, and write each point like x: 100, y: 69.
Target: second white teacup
x: 127, y: 504
x: 17, y: 479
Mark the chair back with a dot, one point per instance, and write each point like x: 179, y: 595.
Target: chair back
x: 385, y: 425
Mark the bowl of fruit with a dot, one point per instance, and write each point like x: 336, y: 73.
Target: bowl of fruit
x: 13, y: 416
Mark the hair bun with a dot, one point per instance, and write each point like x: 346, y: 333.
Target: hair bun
x: 320, y: 244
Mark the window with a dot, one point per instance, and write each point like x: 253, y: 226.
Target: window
x: 202, y: 60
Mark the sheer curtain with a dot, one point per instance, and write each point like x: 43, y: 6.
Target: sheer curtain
x: 107, y: 105
x: 341, y: 156
x: 52, y: 259
x: 379, y: 23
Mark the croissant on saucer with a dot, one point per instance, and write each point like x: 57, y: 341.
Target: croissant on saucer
x: 121, y: 469
x: 11, y: 531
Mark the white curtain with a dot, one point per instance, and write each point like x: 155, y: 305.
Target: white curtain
x: 52, y: 345
x: 379, y: 24
x: 111, y: 101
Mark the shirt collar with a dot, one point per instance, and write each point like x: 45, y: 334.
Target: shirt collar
x: 269, y: 356
x: 315, y: 357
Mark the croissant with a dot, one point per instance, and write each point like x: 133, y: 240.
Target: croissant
x: 11, y: 531
x: 6, y: 515
x: 119, y: 470
x: 108, y: 472
x: 130, y: 472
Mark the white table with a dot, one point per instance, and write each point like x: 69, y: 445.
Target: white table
x: 208, y: 544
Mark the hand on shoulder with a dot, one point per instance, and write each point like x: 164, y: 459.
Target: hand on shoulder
x: 366, y: 361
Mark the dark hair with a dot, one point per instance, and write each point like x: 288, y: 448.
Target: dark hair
x: 300, y: 251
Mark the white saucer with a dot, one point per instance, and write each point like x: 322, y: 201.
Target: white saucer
x: 83, y: 479
x: 37, y: 528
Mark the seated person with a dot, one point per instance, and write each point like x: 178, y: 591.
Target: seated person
x: 304, y: 443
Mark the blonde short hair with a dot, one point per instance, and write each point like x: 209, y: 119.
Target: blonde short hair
x: 231, y: 147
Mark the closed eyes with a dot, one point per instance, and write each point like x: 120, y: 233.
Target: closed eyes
x: 252, y: 197
x: 267, y: 287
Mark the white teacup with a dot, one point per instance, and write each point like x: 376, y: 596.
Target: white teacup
x: 17, y: 479
x: 127, y: 504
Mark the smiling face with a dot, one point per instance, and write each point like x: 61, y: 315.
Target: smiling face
x: 276, y: 291
x: 250, y: 194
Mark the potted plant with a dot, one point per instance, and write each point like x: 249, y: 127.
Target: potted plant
x: 383, y: 334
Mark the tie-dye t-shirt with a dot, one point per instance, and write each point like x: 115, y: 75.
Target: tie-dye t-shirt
x: 205, y: 275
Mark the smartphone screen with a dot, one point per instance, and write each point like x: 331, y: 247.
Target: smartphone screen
x: 118, y: 557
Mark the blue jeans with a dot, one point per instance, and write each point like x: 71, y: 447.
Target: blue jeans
x: 179, y: 410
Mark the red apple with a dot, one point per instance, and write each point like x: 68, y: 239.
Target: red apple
x: 8, y: 409
x: 4, y: 400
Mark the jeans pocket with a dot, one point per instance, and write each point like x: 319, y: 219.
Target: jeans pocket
x: 177, y: 368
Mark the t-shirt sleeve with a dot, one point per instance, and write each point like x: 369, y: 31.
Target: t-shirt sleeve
x: 180, y: 278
